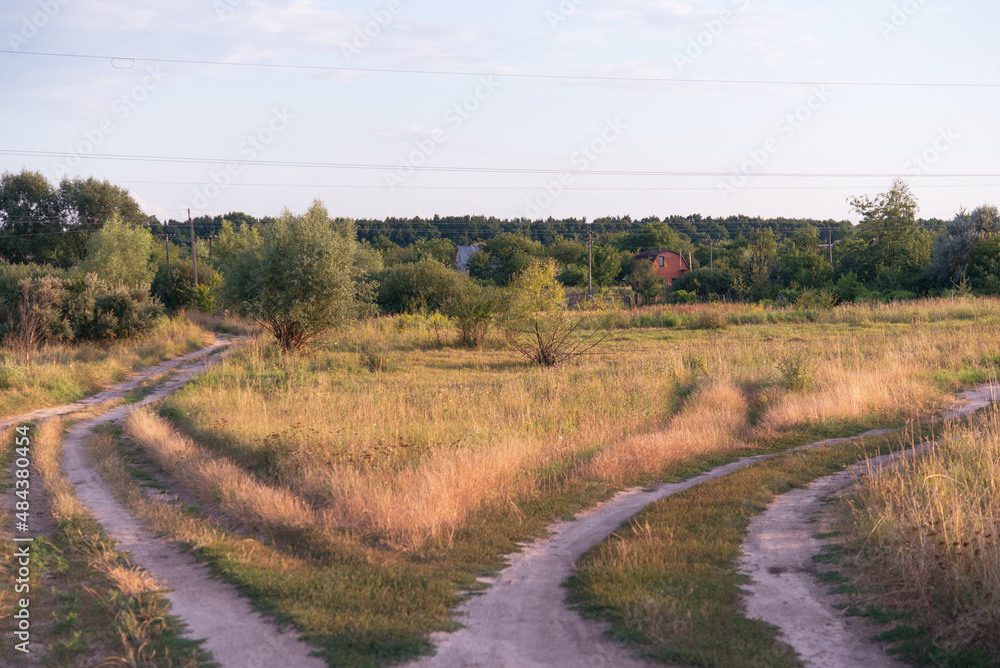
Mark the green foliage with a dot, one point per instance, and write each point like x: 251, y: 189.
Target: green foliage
x: 850, y: 289
x: 423, y: 285
x: 645, y: 282
x: 705, y: 282
x: 537, y: 322
x: 474, y: 310
x: 120, y: 253
x: 798, y: 371
x: 297, y: 276
x: 85, y: 308
x: 503, y: 257
x: 816, y: 299
x: 682, y: 297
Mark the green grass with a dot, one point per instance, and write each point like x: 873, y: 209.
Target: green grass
x: 668, y: 580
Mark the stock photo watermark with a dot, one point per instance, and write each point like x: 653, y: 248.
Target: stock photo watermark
x: 715, y: 28
x: 900, y: 15
x: 224, y: 7
x: 365, y: 35
x: 566, y: 10
x: 455, y: 117
x: 248, y: 150
x: 921, y: 163
x: 786, y: 128
x: 32, y: 24
x: 582, y: 159
x: 121, y: 109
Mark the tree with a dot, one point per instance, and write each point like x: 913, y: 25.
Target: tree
x: 538, y: 323
x: 509, y: 254
x: 86, y: 204
x: 889, y: 249
x: 296, y: 276
x: 29, y: 218
x: 415, y: 286
x: 952, y: 249
x: 607, y: 265
x: 645, y: 282
x: 120, y: 253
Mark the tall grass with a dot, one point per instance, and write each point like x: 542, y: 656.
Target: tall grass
x: 412, y: 450
x: 930, y: 527
x: 62, y: 373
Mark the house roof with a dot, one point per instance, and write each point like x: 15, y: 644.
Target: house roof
x: 462, y: 255
x: 650, y: 254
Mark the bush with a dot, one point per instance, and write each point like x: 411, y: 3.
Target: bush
x: 711, y: 319
x: 426, y: 285
x: 816, y: 299
x: 86, y: 309
x: 682, y: 297
x: 797, y: 372
x: 474, y: 310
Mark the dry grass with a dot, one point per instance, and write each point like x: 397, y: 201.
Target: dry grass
x: 930, y: 527
x: 412, y: 451
x: 62, y: 373
x: 237, y: 493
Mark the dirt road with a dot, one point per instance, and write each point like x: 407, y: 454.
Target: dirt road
x: 233, y: 632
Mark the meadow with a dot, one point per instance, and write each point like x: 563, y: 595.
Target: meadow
x: 61, y: 373
x: 357, y: 488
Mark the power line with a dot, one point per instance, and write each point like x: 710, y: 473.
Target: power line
x: 473, y: 170
x: 119, y: 62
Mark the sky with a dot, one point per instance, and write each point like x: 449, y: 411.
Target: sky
x: 562, y: 108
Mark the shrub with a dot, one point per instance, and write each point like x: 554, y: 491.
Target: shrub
x: 474, y: 310
x: 120, y: 253
x: 94, y: 311
x: 711, y: 319
x: 424, y: 285
x: 682, y: 297
x: 816, y: 299
x: 797, y: 372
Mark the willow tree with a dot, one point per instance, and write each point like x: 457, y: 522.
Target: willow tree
x: 297, y: 276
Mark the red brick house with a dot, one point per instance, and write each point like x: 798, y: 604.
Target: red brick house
x: 667, y: 264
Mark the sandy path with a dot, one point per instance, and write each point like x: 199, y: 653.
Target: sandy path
x: 234, y: 633
x: 522, y: 620
x: 779, y: 552
x: 118, y: 390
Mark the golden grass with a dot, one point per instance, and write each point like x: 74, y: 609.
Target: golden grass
x: 412, y: 451
x: 62, y: 373
x: 930, y: 526
x: 237, y: 493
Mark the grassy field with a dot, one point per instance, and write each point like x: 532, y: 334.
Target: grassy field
x: 929, y: 528
x: 380, y: 472
x: 63, y: 373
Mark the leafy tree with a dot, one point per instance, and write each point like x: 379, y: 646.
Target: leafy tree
x: 705, y: 282
x: 645, y: 282
x: 29, y: 218
x: 952, y: 249
x: 424, y: 285
x: 607, y: 265
x: 652, y: 236
x: 759, y: 263
x: 888, y: 244
x: 983, y: 269
x: 120, y: 253
x: 297, y: 276
x: 507, y: 254
x: 86, y: 204
x: 567, y: 252
x: 475, y: 310
x: 801, y: 263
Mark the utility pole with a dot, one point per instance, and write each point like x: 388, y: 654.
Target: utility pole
x: 590, y: 264
x: 829, y: 237
x: 194, y: 255
x: 711, y: 253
